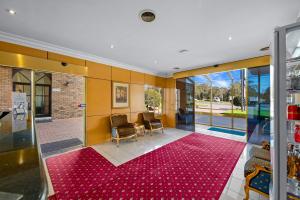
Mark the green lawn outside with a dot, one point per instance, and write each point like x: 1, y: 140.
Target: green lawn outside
x: 236, y: 113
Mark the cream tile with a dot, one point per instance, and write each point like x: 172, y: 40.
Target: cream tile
x: 231, y: 195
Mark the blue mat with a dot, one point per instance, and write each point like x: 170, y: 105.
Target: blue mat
x: 229, y: 131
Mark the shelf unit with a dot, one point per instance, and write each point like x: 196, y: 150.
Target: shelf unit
x: 285, y: 150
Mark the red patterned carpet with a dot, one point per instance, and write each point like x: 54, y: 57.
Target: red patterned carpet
x: 193, y: 167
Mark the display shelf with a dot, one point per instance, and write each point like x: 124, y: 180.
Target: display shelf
x: 293, y: 90
x: 293, y: 61
x: 293, y: 189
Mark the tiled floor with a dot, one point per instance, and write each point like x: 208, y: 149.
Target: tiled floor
x: 131, y: 149
x: 60, y: 129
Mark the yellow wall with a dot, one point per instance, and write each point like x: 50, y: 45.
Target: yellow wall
x: 99, y: 78
x: 99, y: 102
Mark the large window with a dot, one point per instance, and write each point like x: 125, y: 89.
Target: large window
x: 154, y: 99
x: 220, y: 99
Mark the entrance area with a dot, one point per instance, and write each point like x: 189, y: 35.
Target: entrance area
x: 220, y: 100
x: 231, y: 103
x: 59, y: 106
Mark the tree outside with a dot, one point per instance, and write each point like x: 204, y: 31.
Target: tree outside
x: 153, y: 99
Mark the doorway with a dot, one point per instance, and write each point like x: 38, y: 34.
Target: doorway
x: 21, y: 83
x: 185, y: 94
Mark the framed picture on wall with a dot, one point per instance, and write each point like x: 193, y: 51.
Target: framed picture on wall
x: 120, y: 95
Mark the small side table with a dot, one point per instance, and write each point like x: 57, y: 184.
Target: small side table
x: 140, y: 129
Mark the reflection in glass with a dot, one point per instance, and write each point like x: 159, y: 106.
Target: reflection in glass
x: 185, y: 104
x: 258, y: 104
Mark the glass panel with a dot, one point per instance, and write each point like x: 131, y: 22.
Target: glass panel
x: 239, y: 101
x: 258, y: 104
x: 154, y: 99
x: 43, y: 78
x: 202, y: 99
x: 39, y: 90
x: 293, y: 44
x: 46, y: 91
x: 21, y: 76
x: 27, y: 89
x: 221, y: 99
x: 292, y: 95
x: 19, y: 88
x: 19, y: 167
x: 39, y: 103
x: 185, y: 113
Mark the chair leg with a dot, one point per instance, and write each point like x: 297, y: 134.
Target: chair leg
x: 246, y: 188
x: 136, y: 137
x: 118, y: 142
x: 162, y: 130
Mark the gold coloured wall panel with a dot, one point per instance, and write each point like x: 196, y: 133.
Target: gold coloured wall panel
x: 98, y: 97
x: 97, y: 70
x: 137, y: 78
x: 120, y: 75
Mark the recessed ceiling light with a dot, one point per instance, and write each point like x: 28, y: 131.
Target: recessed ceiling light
x: 112, y: 46
x: 12, y: 12
x: 155, y: 61
x: 183, y: 51
x: 229, y: 38
x: 147, y: 15
x: 176, y: 68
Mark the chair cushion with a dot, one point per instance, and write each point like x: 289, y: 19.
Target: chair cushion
x: 124, y: 132
x: 260, y: 153
x: 261, y: 182
x: 250, y: 165
x: 148, y: 116
x: 119, y: 120
x: 156, y: 125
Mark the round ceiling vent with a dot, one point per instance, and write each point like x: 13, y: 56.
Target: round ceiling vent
x: 147, y: 16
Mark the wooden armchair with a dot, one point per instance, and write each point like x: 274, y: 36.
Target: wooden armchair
x: 121, y: 129
x: 151, y: 123
x: 258, y: 181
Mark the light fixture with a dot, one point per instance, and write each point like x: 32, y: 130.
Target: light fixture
x: 147, y: 15
x: 230, y: 38
x: 11, y: 12
x: 176, y: 68
x: 155, y: 61
x: 112, y: 46
x: 183, y: 51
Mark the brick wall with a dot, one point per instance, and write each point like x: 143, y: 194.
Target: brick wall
x: 5, y: 88
x: 67, y: 97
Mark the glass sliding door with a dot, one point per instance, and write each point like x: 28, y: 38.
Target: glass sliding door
x: 60, y: 106
x: 221, y: 99
x: 239, y: 115
x: 203, y: 104
x: 258, y: 104
x: 185, y: 116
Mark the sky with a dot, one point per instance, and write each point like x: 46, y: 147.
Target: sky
x: 219, y: 79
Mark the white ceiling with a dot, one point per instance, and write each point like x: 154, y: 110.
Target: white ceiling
x: 89, y: 27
